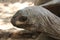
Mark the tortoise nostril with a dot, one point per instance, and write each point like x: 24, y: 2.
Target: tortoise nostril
x: 22, y: 18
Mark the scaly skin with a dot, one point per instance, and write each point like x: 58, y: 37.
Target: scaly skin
x: 39, y: 19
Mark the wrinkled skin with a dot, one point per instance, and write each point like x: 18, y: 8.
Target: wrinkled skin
x: 28, y: 24
x: 37, y: 19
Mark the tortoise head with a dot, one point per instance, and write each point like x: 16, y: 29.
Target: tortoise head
x: 25, y: 20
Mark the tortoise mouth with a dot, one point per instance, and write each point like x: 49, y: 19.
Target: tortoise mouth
x: 21, y: 22
x: 24, y: 25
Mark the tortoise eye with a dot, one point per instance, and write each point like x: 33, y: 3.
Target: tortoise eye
x: 22, y: 18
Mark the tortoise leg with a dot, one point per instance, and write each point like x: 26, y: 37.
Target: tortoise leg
x: 43, y: 36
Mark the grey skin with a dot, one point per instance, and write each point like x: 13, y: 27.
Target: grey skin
x: 39, y: 19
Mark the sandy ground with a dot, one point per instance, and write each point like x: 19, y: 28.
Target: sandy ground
x: 5, y: 17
